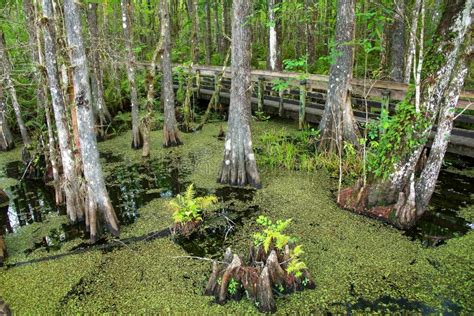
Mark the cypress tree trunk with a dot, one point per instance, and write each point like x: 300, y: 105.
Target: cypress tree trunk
x: 239, y: 166
x: 310, y: 8
x: 6, y: 138
x: 6, y: 74
x: 274, y: 54
x: 37, y: 56
x: 96, y: 71
x: 219, y: 40
x: 402, y: 198
x: 397, y: 42
x: 71, y: 181
x: 170, y: 127
x: 98, y: 197
x: 208, y: 35
x: 126, y: 7
x: 150, y: 98
x: 338, y: 124
x: 412, y: 42
x: 194, y: 15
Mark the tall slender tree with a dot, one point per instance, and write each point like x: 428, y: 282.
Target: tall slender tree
x: 71, y: 180
x: 6, y: 138
x: 6, y: 70
x: 338, y: 124
x: 126, y: 7
x: 96, y: 70
x: 98, y: 197
x: 397, y: 42
x: 239, y: 166
x: 274, y: 53
x: 170, y: 127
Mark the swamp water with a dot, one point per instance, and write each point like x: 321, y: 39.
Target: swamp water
x: 133, y: 185
x: 130, y: 187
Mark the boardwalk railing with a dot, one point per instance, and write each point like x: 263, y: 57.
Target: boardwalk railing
x: 304, y: 98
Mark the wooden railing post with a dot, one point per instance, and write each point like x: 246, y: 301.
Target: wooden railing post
x: 217, y: 90
x: 302, y: 113
x: 260, y: 94
x: 385, y: 100
x: 281, y: 110
x: 198, y: 83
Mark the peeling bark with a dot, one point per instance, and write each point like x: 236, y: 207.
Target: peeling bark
x: 97, y: 192
x: 239, y: 166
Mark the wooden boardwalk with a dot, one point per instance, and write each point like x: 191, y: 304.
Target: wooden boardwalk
x: 369, y: 95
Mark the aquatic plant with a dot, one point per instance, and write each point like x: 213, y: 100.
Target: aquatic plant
x: 188, y: 209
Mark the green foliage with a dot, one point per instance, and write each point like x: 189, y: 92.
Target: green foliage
x: 296, y: 266
x: 188, y: 208
x: 233, y: 286
x: 279, y: 149
x: 261, y: 117
x: 272, y: 233
x: 299, y: 64
x: 394, y: 137
x: 280, y: 85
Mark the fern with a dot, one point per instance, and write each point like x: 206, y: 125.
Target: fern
x: 187, y: 208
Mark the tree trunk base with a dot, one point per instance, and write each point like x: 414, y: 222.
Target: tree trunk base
x: 401, y: 214
x: 263, y: 276
x: 137, y: 141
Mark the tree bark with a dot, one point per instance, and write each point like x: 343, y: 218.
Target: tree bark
x: 126, y: 7
x: 239, y: 166
x: 170, y: 128
x: 311, y: 10
x: 98, y: 195
x: 6, y: 74
x: 397, y: 42
x: 71, y: 181
x: 194, y: 15
x: 96, y: 71
x: 150, y: 98
x: 412, y: 42
x: 208, y: 35
x: 338, y: 123
x: 6, y: 138
x: 274, y: 53
x: 37, y: 56
x: 219, y: 40
x: 402, y: 197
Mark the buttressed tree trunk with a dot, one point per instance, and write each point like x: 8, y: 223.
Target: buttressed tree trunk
x: 274, y: 54
x: 96, y: 71
x: 71, y: 180
x: 6, y: 75
x: 126, y: 7
x: 402, y: 198
x: 98, y: 198
x: 6, y: 138
x: 338, y: 124
x: 170, y: 126
x: 397, y: 42
x: 239, y: 166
